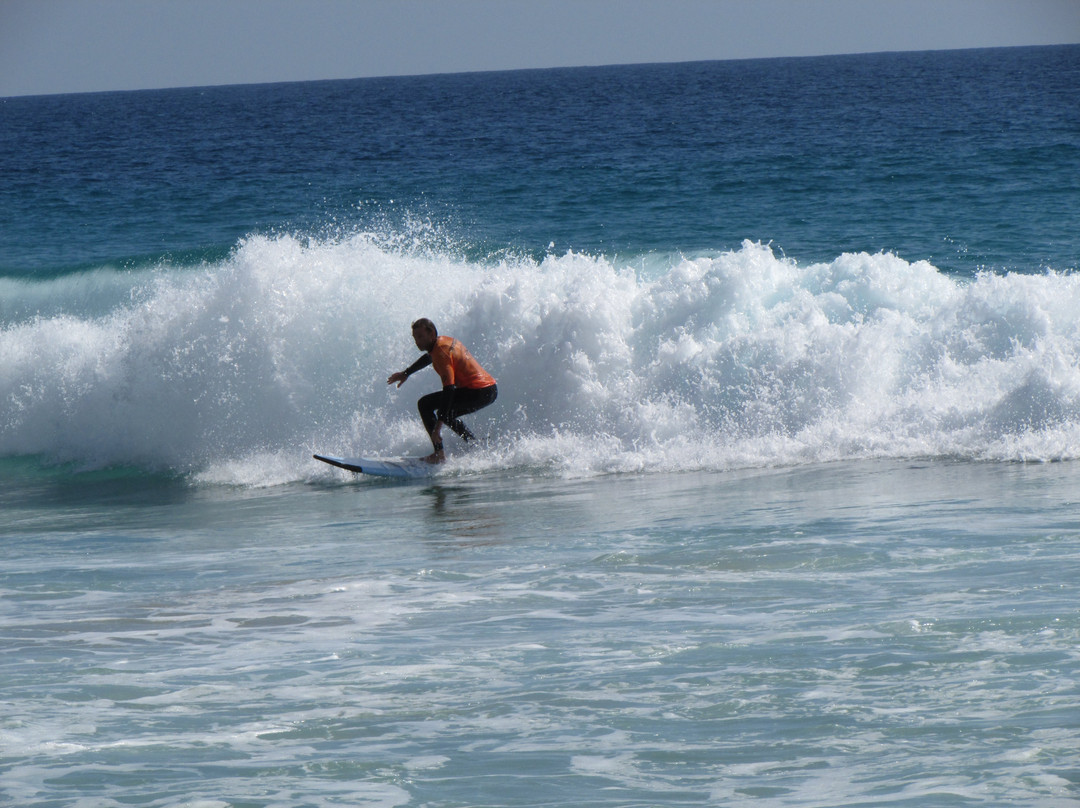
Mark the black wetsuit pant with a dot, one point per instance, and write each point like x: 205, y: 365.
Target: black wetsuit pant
x: 466, y: 400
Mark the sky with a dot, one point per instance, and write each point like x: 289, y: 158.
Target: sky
x: 66, y: 46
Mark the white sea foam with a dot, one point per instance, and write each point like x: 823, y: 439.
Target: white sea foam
x: 236, y: 371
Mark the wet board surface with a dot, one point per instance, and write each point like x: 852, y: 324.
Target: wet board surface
x: 383, y: 466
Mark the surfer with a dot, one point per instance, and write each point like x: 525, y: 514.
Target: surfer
x: 467, y: 387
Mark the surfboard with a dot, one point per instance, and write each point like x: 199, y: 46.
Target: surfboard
x: 383, y: 466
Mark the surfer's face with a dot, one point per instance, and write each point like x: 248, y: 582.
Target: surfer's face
x: 424, y: 338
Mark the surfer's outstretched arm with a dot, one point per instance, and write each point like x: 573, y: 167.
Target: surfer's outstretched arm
x: 402, y: 375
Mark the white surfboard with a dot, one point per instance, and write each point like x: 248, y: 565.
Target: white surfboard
x: 383, y: 466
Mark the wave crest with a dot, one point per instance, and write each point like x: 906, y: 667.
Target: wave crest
x: 740, y: 358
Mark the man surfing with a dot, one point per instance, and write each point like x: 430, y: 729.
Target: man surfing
x: 467, y: 387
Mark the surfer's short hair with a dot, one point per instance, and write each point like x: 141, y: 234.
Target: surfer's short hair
x: 426, y: 324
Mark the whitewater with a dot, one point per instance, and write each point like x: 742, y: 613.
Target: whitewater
x: 234, y: 371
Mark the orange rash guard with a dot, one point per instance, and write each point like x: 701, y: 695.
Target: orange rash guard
x: 456, y: 366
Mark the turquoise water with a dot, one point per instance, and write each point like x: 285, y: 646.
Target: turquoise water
x: 855, y: 634
x: 777, y: 505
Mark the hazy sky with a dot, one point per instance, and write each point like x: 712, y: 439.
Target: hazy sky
x: 49, y: 46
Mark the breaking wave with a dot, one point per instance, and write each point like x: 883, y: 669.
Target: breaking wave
x: 235, y: 371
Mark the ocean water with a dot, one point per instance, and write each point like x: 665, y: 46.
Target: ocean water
x: 778, y: 506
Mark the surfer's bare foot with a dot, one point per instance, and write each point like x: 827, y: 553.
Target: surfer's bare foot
x: 435, y: 457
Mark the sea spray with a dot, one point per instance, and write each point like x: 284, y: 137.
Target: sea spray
x: 713, y: 360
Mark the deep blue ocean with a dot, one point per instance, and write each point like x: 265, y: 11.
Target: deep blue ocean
x: 779, y: 504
